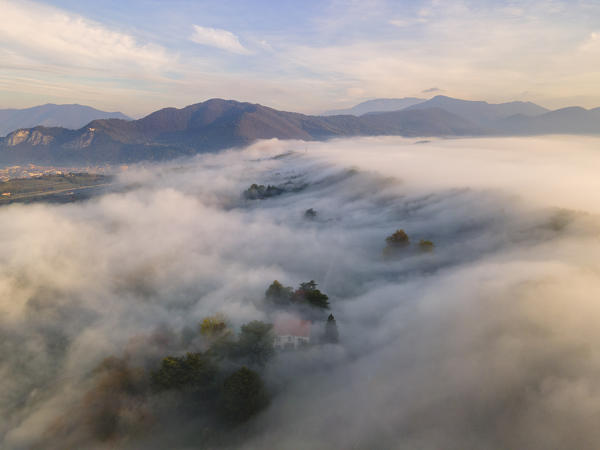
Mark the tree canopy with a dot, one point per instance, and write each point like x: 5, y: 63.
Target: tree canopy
x: 255, y: 343
x: 260, y: 191
x: 243, y: 395
x: 195, y: 371
x: 398, y: 239
x: 308, y: 292
x: 278, y: 294
x: 214, y: 326
x: 310, y: 214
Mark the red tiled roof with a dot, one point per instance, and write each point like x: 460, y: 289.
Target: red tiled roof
x: 291, y: 326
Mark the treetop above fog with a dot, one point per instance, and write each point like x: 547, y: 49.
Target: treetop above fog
x: 307, y: 293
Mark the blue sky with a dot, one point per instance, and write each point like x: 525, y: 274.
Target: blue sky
x: 139, y: 55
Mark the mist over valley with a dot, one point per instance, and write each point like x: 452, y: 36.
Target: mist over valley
x: 484, y: 337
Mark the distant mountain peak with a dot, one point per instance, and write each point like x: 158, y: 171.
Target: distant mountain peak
x: 481, y: 112
x: 376, y: 105
x: 72, y: 116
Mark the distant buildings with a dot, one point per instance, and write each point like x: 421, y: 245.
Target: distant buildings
x: 32, y: 170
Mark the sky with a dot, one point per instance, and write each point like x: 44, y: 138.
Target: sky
x: 310, y: 56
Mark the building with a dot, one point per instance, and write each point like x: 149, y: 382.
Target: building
x: 291, y: 332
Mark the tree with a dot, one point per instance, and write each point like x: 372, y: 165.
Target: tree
x: 255, y: 343
x: 213, y: 327
x: 243, y: 395
x: 310, y: 214
x: 425, y: 245
x: 260, y: 191
x: 117, y: 387
x: 195, y: 371
x: 308, y: 292
x: 308, y: 286
x: 398, y: 239
x: 395, y: 242
x: 254, y: 192
x: 278, y: 294
x: 331, y: 335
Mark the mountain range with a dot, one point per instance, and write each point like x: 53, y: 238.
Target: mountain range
x: 377, y: 105
x: 217, y: 124
x: 482, y: 113
x: 50, y: 115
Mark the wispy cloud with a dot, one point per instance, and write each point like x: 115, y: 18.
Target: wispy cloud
x: 430, y: 90
x: 36, y: 34
x: 407, y: 22
x: 215, y: 37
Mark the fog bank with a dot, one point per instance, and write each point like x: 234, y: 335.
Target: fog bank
x: 490, y: 341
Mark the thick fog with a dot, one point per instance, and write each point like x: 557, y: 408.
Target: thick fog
x: 489, y: 341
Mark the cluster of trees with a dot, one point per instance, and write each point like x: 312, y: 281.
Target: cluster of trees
x: 306, y: 294
x: 310, y: 214
x: 224, y: 379
x: 399, y: 240
x: 219, y: 385
x: 260, y: 191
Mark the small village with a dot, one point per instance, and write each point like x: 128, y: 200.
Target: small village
x: 33, y: 170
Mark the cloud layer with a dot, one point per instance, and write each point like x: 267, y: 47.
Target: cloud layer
x: 488, y: 342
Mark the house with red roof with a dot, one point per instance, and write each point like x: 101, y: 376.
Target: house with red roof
x: 291, y: 332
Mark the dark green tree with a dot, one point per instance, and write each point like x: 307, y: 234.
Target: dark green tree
x: 395, y: 243
x: 331, y: 335
x: 398, y: 239
x: 278, y: 294
x: 260, y: 191
x: 224, y: 347
x: 255, y: 343
x: 243, y: 395
x: 195, y: 371
x: 310, y: 214
x: 308, y: 292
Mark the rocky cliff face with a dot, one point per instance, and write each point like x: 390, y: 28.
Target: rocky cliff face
x: 31, y: 137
